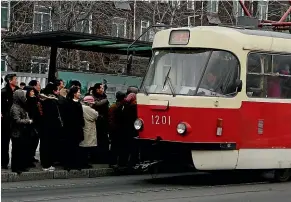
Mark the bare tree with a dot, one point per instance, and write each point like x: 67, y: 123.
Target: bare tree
x: 97, y: 17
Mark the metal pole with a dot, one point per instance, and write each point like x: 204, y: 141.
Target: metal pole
x: 53, y: 66
x: 134, y: 18
x: 285, y: 14
x: 275, y: 24
x: 246, y: 10
x: 141, y: 36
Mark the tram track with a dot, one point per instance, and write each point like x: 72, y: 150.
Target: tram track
x: 130, y: 186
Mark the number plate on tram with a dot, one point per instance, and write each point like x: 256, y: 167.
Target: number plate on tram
x: 161, y: 120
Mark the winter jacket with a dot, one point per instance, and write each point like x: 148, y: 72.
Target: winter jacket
x: 6, y: 100
x: 90, y: 117
x: 116, y: 119
x: 52, y: 120
x: 130, y: 114
x: 101, y: 105
x: 20, y: 122
x: 74, y: 121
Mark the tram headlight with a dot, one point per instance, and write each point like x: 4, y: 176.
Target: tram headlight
x: 138, y: 124
x: 181, y: 128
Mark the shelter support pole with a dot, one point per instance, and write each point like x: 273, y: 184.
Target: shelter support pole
x: 53, y: 67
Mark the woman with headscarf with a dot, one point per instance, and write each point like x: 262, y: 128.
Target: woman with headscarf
x: 74, y: 123
x: 90, y: 138
x: 20, y: 126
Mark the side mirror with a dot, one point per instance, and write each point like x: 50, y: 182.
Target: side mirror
x: 129, y: 64
x: 238, y: 84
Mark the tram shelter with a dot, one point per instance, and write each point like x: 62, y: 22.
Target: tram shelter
x: 81, y: 41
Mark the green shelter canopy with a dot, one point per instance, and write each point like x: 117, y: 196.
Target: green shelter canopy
x: 85, y: 42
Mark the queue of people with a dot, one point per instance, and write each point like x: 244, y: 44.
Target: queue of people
x: 73, y: 132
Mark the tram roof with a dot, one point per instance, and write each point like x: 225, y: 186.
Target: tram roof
x: 229, y: 38
x: 84, y: 41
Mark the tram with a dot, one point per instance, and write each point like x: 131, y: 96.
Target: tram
x: 223, y: 95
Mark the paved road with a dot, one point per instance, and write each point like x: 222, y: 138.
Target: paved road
x: 163, y: 188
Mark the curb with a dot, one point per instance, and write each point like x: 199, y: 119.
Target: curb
x: 58, y: 174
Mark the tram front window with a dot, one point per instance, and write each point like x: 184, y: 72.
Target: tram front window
x: 180, y: 72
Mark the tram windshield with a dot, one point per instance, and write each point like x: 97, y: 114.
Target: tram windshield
x: 199, y: 72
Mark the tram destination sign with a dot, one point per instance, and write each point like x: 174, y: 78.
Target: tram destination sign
x: 179, y: 37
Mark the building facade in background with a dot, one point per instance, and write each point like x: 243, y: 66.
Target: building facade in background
x: 126, y: 19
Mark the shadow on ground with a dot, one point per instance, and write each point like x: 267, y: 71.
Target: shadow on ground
x: 208, y: 179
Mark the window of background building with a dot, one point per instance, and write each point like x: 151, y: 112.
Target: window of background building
x: 262, y: 12
x: 268, y: 76
x: 83, y: 23
x: 4, y: 58
x: 5, y: 6
x: 212, y: 6
x: 164, y: 1
x: 237, y: 9
x: 175, y: 3
x: 39, y: 65
x: 118, y: 27
x: 190, y: 4
x: 41, y: 19
x: 84, y: 65
x: 144, y: 24
x: 191, y: 21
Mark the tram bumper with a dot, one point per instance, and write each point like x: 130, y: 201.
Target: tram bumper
x: 203, y: 156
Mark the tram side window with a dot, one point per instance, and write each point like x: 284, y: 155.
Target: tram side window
x: 268, y: 75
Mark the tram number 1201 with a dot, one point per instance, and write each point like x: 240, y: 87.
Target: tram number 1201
x: 163, y: 120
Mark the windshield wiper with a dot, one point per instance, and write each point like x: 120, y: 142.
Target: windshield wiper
x: 203, y: 72
x: 170, y: 82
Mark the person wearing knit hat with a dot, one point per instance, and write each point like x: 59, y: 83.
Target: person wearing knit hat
x: 89, y: 144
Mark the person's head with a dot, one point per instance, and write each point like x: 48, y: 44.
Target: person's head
x: 19, y: 97
x: 120, y: 96
x: 29, y: 91
x: 11, y: 79
x: 131, y: 98
x: 22, y: 85
x: 74, y: 93
x: 51, y: 89
x: 88, y: 100
x: 99, y: 88
x: 211, y: 78
x: 60, y: 83
x: 35, y: 84
x: 75, y: 83
x: 132, y: 89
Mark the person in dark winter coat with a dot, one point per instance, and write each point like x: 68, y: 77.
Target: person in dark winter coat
x: 130, y: 112
x: 36, y: 115
x: 6, y: 103
x: 101, y: 105
x: 52, y: 124
x: 115, y: 127
x: 20, y: 124
x: 74, y: 123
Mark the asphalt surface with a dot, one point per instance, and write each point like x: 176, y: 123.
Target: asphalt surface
x: 166, y: 187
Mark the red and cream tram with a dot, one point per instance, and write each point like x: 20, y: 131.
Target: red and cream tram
x: 224, y: 93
